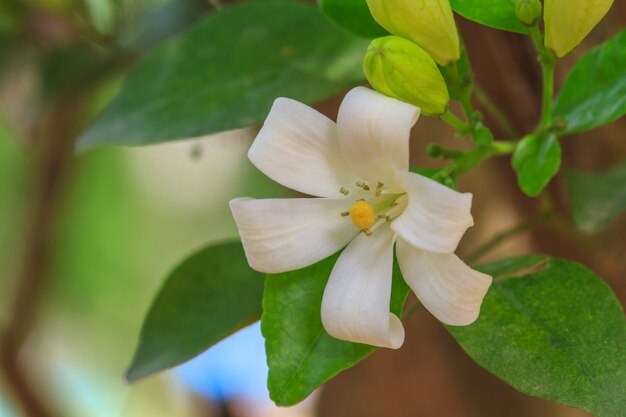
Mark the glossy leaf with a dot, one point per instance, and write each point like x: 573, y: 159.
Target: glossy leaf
x: 499, y: 14
x: 558, y: 333
x: 536, y: 160
x: 594, y: 93
x: 208, y: 297
x: 353, y: 15
x: 300, y: 354
x: 225, y: 72
x: 597, y: 198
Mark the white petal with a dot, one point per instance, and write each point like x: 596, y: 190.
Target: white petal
x: 436, y: 217
x: 281, y: 235
x: 298, y: 148
x: 449, y: 289
x: 355, y: 306
x: 374, y: 133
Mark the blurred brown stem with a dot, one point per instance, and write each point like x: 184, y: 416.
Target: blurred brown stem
x: 59, y: 127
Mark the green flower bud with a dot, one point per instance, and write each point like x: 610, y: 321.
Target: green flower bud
x: 568, y: 22
x: 399, y: 68
x: 528, y: 11
x: 428, y: 23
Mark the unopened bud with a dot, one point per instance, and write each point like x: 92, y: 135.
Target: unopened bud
x: 528, y: 11
x: 428, y: 23
x: 399, y: 68
x: 568, y: 22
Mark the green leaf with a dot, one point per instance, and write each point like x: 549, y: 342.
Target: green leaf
x: 536, y: 160
x: 558, y: 333
x: 597, y: 198
x: 300, y: 354
x: 225, y: 72
x: 208, y: 297
x: 499, y: 14
x: 594, y: 93
x: 353, y: 15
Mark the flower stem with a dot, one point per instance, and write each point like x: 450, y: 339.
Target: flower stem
x: 548, y: 60
x: 475, y: 157
x: 455, y: 122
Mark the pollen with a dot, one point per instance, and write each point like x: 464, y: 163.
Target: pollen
x: 362, y: 215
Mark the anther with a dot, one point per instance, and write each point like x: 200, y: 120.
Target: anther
x: 344, y: 191
x: 345, y: 213
x: 367, y: 232
x: 363, y: 185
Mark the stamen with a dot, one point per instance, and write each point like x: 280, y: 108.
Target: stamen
x: 367, y: 232
x: 345, y: 213
x: 344, y: 191
x: 379, y: 188
x: 363, y: 185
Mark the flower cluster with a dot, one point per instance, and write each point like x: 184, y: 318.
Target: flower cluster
x: 368, y: 200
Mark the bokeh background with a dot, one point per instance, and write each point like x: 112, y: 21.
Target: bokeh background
x: 86, y: 239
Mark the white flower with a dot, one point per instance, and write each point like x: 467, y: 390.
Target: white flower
x: 368, y: 201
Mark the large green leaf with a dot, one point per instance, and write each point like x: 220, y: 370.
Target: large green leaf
x: 225, y: 72
x: 353, y: 15
x: 300, y: 354
x: 209, y: 296
x: 594, y: 93
x: 558, y: 333
x: 536, y: 160
x: 597, y: 198
x: 499, y: 14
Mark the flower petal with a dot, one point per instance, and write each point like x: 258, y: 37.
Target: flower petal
x: 355, y: 306
x: 374, y: 133
x: 298, y: 148
x: 449, y: 289
x: 281, y: 235
x: 436, y: 217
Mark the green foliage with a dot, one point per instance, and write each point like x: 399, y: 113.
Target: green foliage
x: 209, y: 296
x: 558, y: 333
x: 300, y: 354
x: 536, y: 160
x: 353, y: 15
x: 499, y: 14
x: 225, y: 72
x: 594, y: 93
x: 597, y: 198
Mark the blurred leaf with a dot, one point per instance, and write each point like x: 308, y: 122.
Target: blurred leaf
x: 499, y: 14
x: 167, y: 20
x: 536, y: 160
x: 558, y: 333
x: 353, y: 15
x: 594, y: 93
x: 597, y: 198
x: 300, y: 354
x: 208, y: 297
x: 225, y: 72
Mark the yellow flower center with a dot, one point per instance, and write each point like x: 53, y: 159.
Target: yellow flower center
x: 362, y: 215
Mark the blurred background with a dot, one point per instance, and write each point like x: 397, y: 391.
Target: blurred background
x: 86, y: 239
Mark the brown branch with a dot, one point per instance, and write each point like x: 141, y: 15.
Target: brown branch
x: 53, y: 162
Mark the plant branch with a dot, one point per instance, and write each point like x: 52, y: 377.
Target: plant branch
x: 475, y: 157
x: 455, y: 122
x: 55, y: 147
x: 548, y: 60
